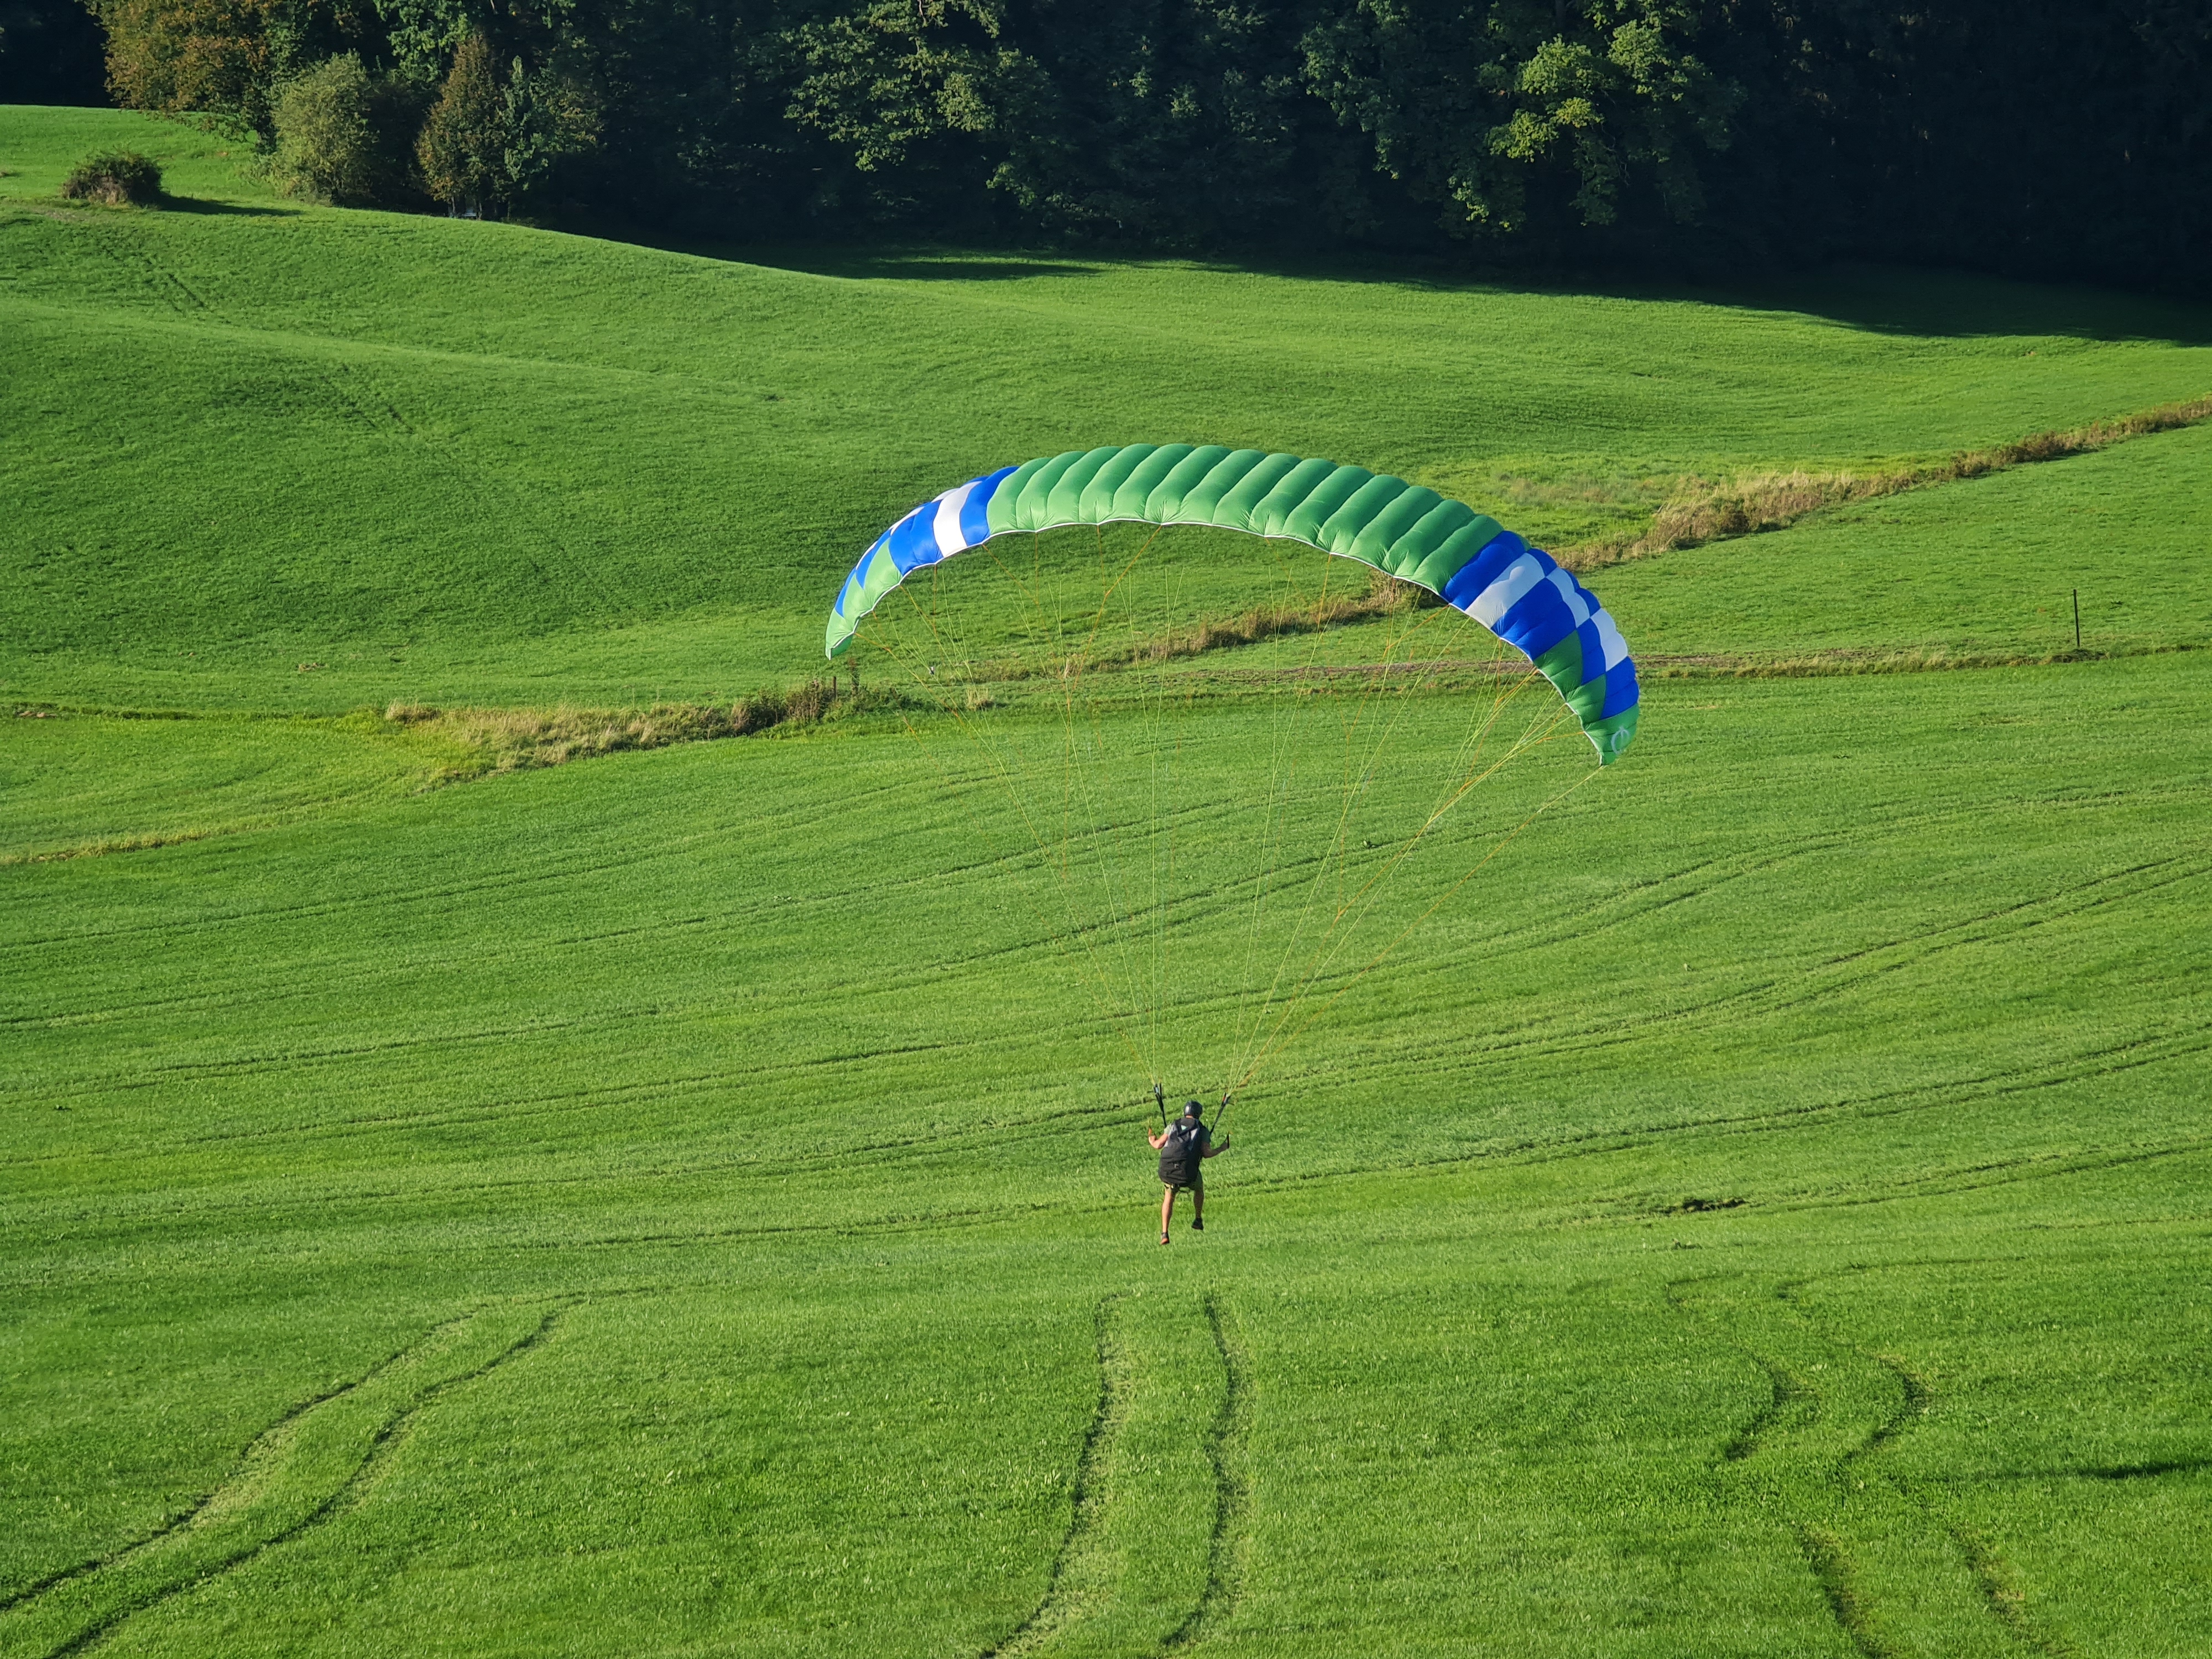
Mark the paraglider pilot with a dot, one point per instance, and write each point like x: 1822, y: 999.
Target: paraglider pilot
x: 1184, y: 1145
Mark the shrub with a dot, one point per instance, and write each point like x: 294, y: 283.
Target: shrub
x: 114, y: 176
x: 803, y: 705
x: 326, y: 148
x: 758, y: 712
x: 342, y: 134
x: 212, y: 59
x: 509, y: 739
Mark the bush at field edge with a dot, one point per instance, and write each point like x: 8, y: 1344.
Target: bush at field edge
x: 115, y: 176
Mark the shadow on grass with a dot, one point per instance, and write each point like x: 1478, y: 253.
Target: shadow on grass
x: 1872, y: 298
x: 1957, y: 305
x: 1917, y: 303
x: 887, y: 263
x: 241, y: 209
x: 940, y: 268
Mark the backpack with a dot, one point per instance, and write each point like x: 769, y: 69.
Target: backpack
x: 1179, y: 1158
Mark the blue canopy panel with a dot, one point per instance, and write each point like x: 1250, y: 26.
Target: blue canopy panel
x: 952, y: 523
x: 1520, y: 593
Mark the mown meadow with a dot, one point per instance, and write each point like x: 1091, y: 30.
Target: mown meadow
x: 680, y: 1200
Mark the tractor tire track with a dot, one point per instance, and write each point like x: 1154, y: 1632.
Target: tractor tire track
x: 2119, y: 1058
x: 550, y: 875
x: 186, y: 1516
x: 1903, y: 1189
x: 1738, y: 1008
x: 1992, y: 1578
x: 1784, y: 1425
x: 1818, y: 1471
x: 1503, y: 1053
x: 165, y: 286
x: 285, y: 1486
x: 1787, y: 1394
x: 1052, y: 1611
x: 1832, y: 1569
x: 1228, y: 1546
x: 2005, y: 1602
x: 1125, y: 1579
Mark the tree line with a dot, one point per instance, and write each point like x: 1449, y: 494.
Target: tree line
x: 2067, y: 138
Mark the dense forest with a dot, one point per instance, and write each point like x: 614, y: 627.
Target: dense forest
x: 2066, y: 138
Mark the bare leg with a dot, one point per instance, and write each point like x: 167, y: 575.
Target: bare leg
x: 1167, y: 1210
x: 1197, y: 1204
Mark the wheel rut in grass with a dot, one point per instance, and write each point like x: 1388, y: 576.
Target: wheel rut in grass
x: 1899, y: 1577
x: 305, y: 1469
x: 1832, y: 1570
x: 1152, y: 1559
x: 1232, y: 1490
x: 1061, y: 1596
x: 2002, y: 1596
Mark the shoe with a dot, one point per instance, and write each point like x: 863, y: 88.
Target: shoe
x: 1197, y: 1225
x: 1163, y: 1238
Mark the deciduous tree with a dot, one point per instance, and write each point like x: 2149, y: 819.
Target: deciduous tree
x: 463, y: 149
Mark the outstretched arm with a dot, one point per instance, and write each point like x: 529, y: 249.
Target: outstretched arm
x: 1216, y: 1152
x: 1157, y: 1140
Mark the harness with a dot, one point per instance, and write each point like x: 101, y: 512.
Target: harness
x: 1180, y: 1156
x: 1182, y: 1152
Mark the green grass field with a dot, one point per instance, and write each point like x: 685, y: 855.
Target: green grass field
x: 687, y: 1202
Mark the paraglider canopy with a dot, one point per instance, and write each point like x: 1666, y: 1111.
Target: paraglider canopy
x: 1467, y: 559
x: 1221, y: 845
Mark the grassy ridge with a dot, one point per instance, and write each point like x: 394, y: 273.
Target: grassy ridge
x: 686, y: 1202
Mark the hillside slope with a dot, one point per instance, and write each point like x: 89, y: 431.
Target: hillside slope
x: 683, y: 1202
x: 451, y: 461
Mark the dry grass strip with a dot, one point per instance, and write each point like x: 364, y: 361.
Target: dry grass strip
x: 516, y: 739
x: 1703, y: 511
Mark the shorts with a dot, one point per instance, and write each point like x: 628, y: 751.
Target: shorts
x: 1196, y: 1185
